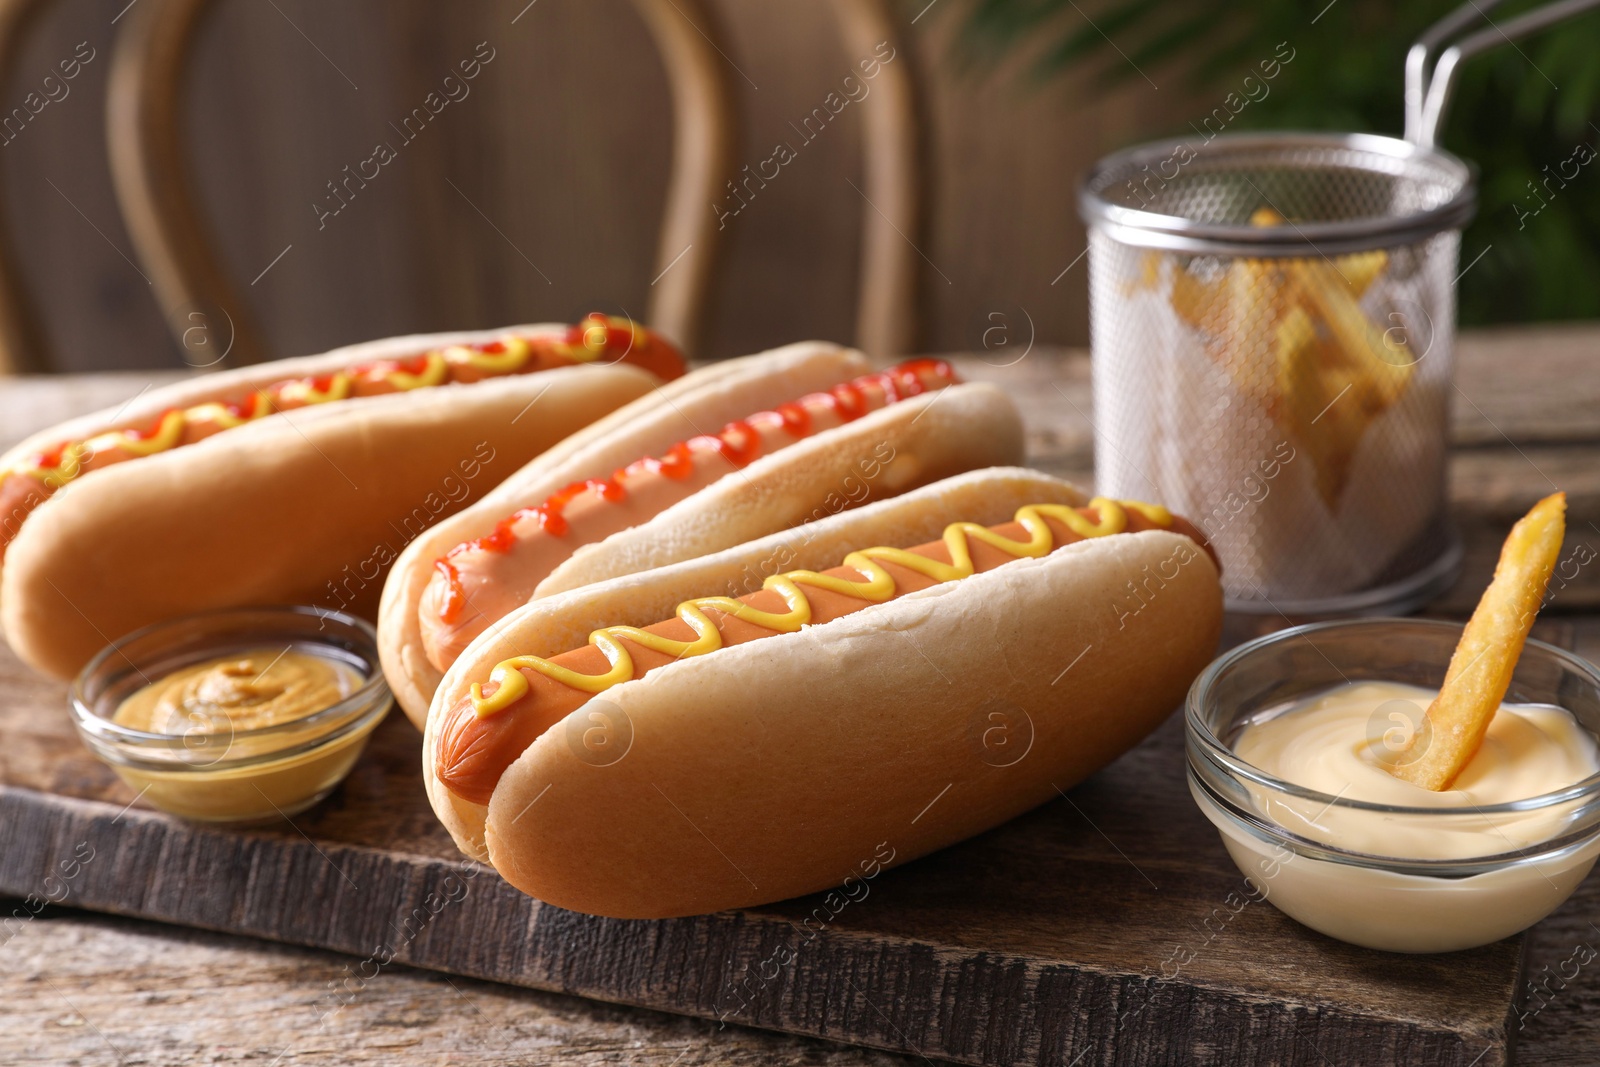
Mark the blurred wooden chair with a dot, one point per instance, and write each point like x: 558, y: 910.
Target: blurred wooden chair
x: 22, y: 345
x: 160, y: 208
x: 892, y: 168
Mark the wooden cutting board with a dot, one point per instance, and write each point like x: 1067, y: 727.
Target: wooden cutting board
x: 1106, y: 927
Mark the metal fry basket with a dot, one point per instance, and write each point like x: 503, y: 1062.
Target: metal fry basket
x: 1272, y: 319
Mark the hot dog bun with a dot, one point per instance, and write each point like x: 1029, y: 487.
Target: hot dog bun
x: 277, y: 510
x: 775, y: 768
x: 700, y: 401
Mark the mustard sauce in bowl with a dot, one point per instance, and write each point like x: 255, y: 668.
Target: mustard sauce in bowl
x: 240, y: 716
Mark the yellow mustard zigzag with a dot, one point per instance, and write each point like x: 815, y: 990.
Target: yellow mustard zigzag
x: 169, y: 431
x: 876, y: 587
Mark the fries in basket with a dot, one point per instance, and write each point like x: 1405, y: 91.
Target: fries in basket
x: 1293, y: 337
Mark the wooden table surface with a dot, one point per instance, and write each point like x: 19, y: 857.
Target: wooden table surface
x: 79, y: 988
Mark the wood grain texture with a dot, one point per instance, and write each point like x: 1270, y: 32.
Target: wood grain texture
x: 892, y: 180
x: 96, y: 989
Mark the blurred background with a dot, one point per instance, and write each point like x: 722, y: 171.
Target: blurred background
x: 538, y: 195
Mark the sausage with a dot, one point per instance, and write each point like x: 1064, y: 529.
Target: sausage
x: 475, y: 748
x: 479, y: 582
x: 19, y: 495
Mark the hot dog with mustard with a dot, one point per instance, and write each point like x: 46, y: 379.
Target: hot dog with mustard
x: 759, y: 741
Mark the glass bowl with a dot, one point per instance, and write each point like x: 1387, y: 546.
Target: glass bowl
x: 215, y: 772
x: 1295, y: 845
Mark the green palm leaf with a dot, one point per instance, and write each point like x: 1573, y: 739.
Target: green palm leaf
x: 1518, y: 113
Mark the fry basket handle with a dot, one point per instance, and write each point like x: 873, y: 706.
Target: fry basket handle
x: 1428, y: 90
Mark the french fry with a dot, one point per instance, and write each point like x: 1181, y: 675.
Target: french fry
x: 1323, y: 402
x: 1336, y: 371
x: 1480, y: 670
x: 1358, y: 270
x: 1236, y: 314
x: 1257, y: 297
x: 1297, y: 334
x: 1387, y: 360
x: 1202, y: 304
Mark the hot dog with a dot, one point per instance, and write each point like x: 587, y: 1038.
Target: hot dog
x: 805, y: 431
x: 293, y: 481
x: 29, y: 475
x: 759, y: 742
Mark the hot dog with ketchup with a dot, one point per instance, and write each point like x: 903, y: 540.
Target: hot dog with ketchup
x: 479, y: 581
x: 738, y: 451
x: 267, y: 484
x: 760, y: 741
